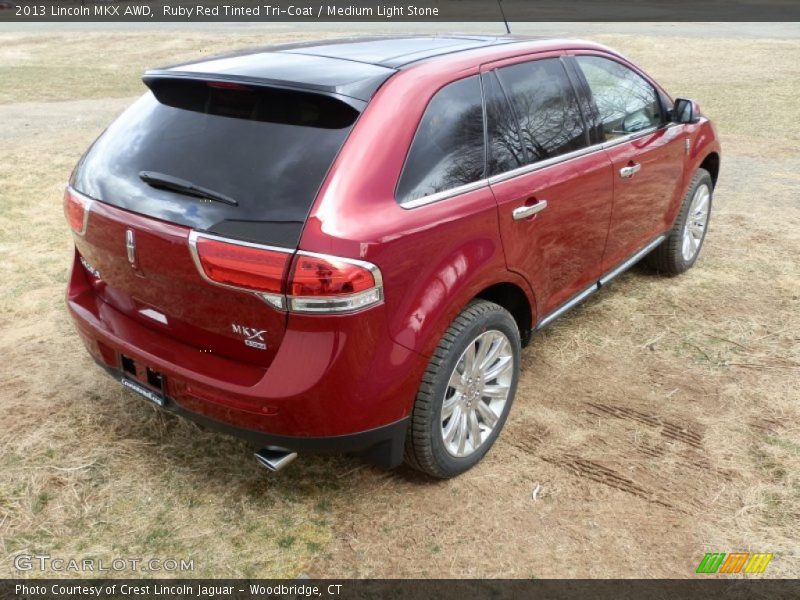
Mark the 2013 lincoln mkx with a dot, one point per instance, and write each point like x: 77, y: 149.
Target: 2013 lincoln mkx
x: 344, y: 245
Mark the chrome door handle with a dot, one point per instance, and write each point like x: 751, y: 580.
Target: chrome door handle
x: 523, y: 212
x: 630, y: 170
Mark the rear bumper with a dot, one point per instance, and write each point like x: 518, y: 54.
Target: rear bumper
x: 340, y: 385
x: 382, y: 446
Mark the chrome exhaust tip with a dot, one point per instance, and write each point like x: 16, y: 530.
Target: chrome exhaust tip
x: 274, y: 460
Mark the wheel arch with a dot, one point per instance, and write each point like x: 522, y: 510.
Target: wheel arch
x: 711, y: 164
x: 514, y: 299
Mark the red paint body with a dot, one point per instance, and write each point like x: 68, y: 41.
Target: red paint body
x: 334, y: 375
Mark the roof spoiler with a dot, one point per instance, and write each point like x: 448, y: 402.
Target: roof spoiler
x: 152, y: 77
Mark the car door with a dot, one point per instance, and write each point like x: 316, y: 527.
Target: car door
x: 647, y: 154
x: 553, y: 190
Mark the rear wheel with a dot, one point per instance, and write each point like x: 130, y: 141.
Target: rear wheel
x: 466, y: 392
x: 679, y: 251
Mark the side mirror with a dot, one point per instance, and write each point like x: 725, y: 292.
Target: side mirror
x: 683, y: 111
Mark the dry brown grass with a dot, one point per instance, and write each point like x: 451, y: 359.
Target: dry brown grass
x: 658, y: 421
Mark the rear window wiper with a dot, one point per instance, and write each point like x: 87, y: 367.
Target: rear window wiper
x: 181, y: 186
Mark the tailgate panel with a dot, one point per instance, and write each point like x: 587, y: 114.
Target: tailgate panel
x: 163, y: 290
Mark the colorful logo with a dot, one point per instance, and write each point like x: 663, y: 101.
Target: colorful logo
x: 736, y: 562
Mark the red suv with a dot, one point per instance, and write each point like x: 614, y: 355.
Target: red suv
x: 343, y: 245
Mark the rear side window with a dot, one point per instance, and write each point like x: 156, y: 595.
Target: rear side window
x: 505, y: 152
x: 625, y: 101
x: 448, y: 148
x: 266, y: 148
x: 541, y: 95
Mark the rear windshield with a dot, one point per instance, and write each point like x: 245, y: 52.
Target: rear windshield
x: 267, y: 149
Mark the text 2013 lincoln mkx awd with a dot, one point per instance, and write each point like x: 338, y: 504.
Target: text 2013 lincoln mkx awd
x: 344, y: 245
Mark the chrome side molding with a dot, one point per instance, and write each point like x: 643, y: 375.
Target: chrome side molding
x: 577, y: 299
x: 604, y: 280
x: 627, y: 264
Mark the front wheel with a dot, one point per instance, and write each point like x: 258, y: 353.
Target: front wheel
x: 679, y: 251
x: 466, y: 392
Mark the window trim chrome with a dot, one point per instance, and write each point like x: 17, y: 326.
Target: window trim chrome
x: 543, y: 164
x: 525, y: 169
x: 414, y: 203
x: 445, y: 194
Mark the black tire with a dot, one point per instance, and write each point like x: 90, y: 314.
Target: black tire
x: 425, y: 447
x: 667, y: 257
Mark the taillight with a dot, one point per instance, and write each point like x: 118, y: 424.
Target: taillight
x: 260, y: 269
x: 321, y: 283
x: 316, y: 283
x: 76, y: 209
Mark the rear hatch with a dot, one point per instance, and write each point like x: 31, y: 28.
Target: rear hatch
x: 257, y: 154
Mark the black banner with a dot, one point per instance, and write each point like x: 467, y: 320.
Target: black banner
x: 562, y: 589
x: 404, y: 10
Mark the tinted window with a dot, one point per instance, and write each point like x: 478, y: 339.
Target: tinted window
x: 448, y: 148
x: 626, y: 102
x: 505, y: 142
x: 542, y: 97
x: 268, y: 149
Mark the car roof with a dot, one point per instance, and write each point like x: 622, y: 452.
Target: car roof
x: 395, y: 52
x: 349, y: 67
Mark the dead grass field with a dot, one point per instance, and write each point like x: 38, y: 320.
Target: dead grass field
x: 658, y: 421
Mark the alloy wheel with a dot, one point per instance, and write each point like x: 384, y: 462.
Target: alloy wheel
x: 696, y: 222
x: 476, y: 393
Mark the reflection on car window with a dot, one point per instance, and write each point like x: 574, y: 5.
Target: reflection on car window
x: 448, y: 148
x: 626, y: 102
x: 505, y: 141
x: 550, y: 121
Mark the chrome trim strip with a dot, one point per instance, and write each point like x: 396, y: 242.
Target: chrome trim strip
x: 542, y: 164
x: 525, y: 169
x: 577, y: 299
x: 631, y: 136
x: 628, y: 263
x: 274, y: 300
x: 200, y: 234
x: 445, y: 195
x: 335, y: 304
x: 604, y: 280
